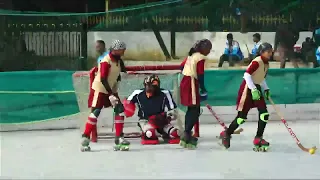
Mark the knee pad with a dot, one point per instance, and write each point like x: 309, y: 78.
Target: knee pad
x: 264, y: 116
x: 96, y: 112
x: 240, y: 120
x: 151, y: 134
x: 118, y: 109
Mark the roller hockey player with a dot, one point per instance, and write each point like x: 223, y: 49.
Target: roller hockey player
x: 103, y: 94
x: 154, y: 121
x: 192, y: 89
x: 250, y: 96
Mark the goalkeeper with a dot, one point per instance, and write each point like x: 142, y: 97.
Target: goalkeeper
x: 154, y: 120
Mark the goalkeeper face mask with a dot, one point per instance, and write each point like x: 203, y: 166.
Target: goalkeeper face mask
x: 152, y: 88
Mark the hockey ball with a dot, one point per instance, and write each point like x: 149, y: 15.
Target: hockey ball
x: 312, y: 150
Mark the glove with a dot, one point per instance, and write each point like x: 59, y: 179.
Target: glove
x: 255, y: 94
x: 113, y: 100
x: 203, y: 95
x: 267, y: 94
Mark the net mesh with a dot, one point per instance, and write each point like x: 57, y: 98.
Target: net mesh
x: 130, y: 82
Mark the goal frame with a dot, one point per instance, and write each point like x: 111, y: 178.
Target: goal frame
x: 146, y: 69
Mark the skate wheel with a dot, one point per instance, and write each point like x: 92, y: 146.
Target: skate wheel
x: 124, y: 148
x: 85, y: 149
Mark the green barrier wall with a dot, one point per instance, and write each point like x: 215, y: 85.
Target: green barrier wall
x: 287, y: 86
x: 36, y: 95
x: 39, y: 95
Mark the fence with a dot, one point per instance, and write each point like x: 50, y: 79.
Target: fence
x: 58, y: 41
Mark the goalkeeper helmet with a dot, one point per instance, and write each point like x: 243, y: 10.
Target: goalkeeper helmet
x: 152, y: 80
x: 152, y: 85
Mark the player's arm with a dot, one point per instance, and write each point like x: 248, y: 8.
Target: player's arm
x: 200, y: 73
x: 170, y: 104
x: 247, y: 75
x: 104, y: 73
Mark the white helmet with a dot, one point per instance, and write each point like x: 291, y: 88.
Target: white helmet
x: 118, y: 45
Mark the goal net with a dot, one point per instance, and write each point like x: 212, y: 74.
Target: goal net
x: 133, y: 80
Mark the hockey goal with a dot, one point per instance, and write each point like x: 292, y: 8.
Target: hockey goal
x: 169, y: 77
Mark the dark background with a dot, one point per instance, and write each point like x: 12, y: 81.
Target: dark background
x: 67, y: 5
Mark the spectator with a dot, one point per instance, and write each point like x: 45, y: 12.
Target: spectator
x: 308, y: 52
x: 257, y: 42
x: 232, y: 52
x: 101, y: 50
x: 316, y: 36
x: 286, y: 37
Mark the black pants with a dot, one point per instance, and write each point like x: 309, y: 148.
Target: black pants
x: 191, y: 117
x: 232, y: 59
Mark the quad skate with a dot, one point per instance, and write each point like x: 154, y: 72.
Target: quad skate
x: 260, y: 145
x: 188, y: 142
x: 225, y: 140
x: 85, y: 144
x: 121, y: 144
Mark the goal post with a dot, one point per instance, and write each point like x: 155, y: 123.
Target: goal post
x: 169, y: 77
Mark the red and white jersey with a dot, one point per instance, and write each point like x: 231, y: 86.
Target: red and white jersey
x: 110, y: 69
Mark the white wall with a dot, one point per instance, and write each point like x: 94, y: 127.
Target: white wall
x: 144, y: 45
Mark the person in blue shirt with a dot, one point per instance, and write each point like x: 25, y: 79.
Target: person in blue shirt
x: 232, y: 52
x: 101, y: 50
x: 257, y: 42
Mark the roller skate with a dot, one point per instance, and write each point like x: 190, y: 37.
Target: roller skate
x: 121, y: 144
x: 85, y: 144
x: 225, y: 140
x: 188, y: 141
x: 260, y: 145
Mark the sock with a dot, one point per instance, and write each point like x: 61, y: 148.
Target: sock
x: 118, y: 123
x: 261, y: 127
x: 196, y: 129
x: 90, y: 125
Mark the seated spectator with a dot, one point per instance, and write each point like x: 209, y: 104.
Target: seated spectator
x: 257, y: 42
x: 232, y: 52
x: 308, y: 52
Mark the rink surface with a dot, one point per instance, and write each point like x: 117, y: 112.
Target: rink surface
x: 56, y: 154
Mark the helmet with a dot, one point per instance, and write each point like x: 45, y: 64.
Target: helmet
x: 264, y: 47
x: 152, y: 80
x: 118, y: 45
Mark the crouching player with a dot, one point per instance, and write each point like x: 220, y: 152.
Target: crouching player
x: 250, y: 96
x: 103, y: 94
x: 154, y: 120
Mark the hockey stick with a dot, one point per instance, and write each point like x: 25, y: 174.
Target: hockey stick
x: 293, y: 135
x: 238, y: 131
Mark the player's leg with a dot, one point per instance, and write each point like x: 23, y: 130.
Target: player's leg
x: 244, y: 104
x: 120, y: 142
x: 222, y: 59
x: 97, y: 104
x: 191, y: 117
x: 149, y: 133
x: 259, y: 143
